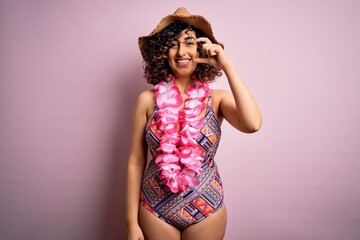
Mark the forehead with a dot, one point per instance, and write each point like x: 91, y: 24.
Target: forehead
x: 186, y: 33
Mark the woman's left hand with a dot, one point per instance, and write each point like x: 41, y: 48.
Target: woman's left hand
x: 216, y: 55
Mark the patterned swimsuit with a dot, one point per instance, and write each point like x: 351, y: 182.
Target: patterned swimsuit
x: 193, y: 205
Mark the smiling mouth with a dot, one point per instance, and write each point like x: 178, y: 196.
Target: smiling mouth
x: 182, y: 62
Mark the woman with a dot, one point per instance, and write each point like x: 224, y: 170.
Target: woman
x: 179, y: 194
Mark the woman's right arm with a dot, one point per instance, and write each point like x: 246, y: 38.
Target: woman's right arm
x: 136, y: 165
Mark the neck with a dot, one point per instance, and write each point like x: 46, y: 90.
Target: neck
x: 182, y: 83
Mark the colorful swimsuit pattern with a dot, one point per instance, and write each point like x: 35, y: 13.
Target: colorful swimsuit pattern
x: 193, y: 205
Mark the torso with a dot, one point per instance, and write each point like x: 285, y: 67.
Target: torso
x: 193, y: 205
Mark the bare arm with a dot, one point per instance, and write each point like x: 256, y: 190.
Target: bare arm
x: 238, y: 108
x: 136, y: 165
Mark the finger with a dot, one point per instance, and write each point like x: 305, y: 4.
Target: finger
x: 210, y: 46
x: 207, y: 48
x: 211, y: 50
x: 201, y: 60
x: 214, y: 50
x: 203, y: 39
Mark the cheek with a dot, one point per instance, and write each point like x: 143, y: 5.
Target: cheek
x: 171, y: 60
x: 171, y: 56
x: 171, y: 52
x: 196, y: 53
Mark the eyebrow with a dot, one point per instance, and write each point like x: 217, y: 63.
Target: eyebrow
x: 185, y: 39
x: 189, y: 37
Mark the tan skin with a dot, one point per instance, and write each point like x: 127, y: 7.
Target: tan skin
x: 238, y: 107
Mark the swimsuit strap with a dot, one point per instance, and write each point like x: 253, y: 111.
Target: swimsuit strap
x: 210, y: 102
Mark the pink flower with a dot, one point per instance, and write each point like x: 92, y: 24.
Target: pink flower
x: 169, y: 174
x: 192, y: 159
x: 170, y: 98
x: 173, y: 184
x: 196, y: 169
x: 171, y: 129
x: 168, y: 148
x: 191, y: 104
x: 165, y: 159
x: 168, y: 115
x: 200, y: 91
x: 185, y: 152
x: 173, y: 138
x: 180, y: 160
x: 169, y: 170
x: 189, y: 131
x: 203, y: 92
x: 187, y: 178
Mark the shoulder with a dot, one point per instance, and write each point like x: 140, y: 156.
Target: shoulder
x: 219, y: 94
x: 146, y: 96
x: 145, y: 102
x: 221, y: 98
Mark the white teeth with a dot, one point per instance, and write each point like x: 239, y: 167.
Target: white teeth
x: 183, y: 61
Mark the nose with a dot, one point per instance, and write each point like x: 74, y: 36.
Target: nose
x: 181, y: 50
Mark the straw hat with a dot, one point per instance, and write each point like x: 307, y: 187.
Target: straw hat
x: 182, y: 15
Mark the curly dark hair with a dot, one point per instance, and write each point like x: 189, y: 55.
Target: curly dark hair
x: 156, y: 49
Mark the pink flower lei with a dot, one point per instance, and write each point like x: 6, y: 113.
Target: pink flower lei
x: 180, y: 159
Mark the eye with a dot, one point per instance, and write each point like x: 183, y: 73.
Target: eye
x: 190, y: 43
x: 174, y: 44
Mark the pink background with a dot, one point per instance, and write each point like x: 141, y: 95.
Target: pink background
x: 69, y: 74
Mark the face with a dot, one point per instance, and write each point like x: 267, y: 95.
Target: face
x: 181, y: 54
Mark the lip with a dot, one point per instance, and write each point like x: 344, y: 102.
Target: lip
x: 182, y: 62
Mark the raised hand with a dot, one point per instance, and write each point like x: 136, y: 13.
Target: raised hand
x: 216, y: 55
